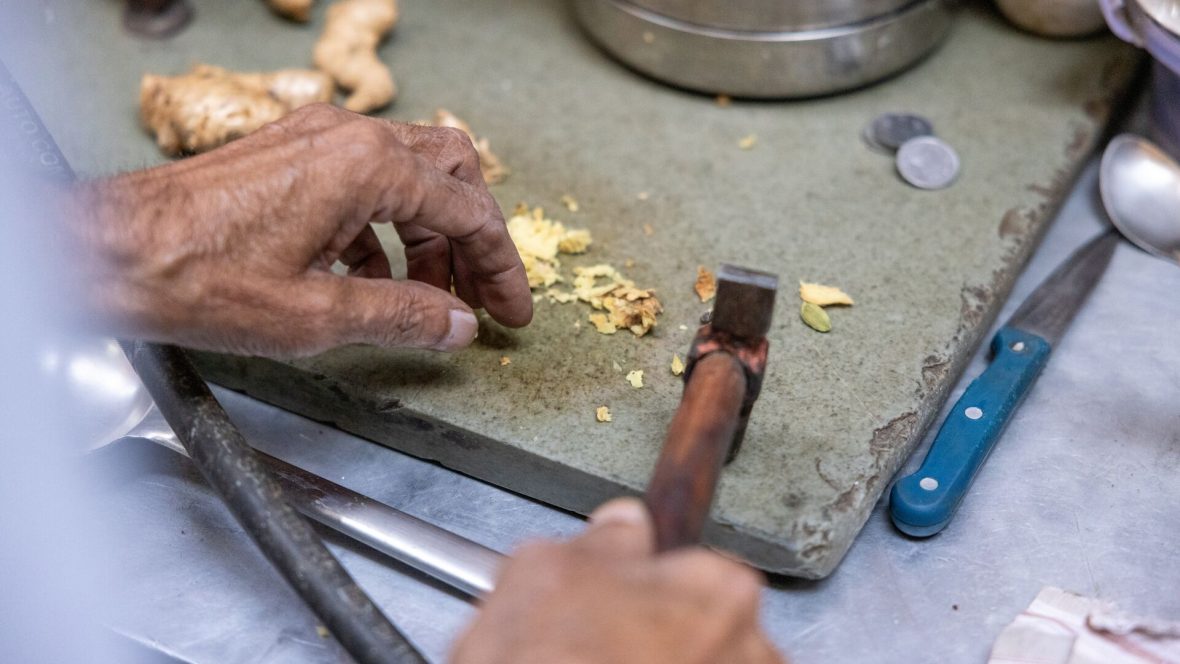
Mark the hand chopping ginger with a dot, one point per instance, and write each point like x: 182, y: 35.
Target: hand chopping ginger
x: 232, y: 251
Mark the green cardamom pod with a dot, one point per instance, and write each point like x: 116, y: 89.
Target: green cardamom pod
x: 815, y: 317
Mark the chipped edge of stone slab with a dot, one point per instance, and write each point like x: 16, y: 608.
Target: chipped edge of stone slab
x: 464, y: 451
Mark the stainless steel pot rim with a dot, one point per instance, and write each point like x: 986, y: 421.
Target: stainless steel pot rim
x: 764, y: 65
x: 779, y: 36
x: 772, y: 15
x: 1165, y: 13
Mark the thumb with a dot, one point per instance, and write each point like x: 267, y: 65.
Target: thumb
x: 621, y: 528
x: 399, y: 314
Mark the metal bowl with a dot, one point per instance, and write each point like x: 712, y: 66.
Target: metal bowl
x: 772, y: 15
x: 764, y: 64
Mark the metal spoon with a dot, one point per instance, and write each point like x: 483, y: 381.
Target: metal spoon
x: 1140, y: 187
x: 113, y: 404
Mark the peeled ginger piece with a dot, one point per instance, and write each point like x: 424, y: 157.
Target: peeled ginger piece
x: 823, y: 295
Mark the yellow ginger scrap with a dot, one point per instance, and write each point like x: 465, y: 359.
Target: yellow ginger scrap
x: 823, y: 295
x: 347, y: 50
x: 505, y: 360
x: 748, y: 142
x: 494, y: 171
x: 570, y: 203
x: 602, y: 414
x: 539, y: 240
x: 210, y: 106
x: 677, y: 365
x: 635, y: 378
x: 706, y: 285
x: 626, y: 306
x: 603, y: 324
x: 296, y: 10
x: 617, y: 303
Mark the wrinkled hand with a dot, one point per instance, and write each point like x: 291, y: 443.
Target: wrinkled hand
x: 604, y: 598
x: 232, y: 250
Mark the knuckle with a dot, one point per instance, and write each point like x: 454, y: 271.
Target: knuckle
x: 370, y: 133
x: 459, y: 140
x: 408, y: 316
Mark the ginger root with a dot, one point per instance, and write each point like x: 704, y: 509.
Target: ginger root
x: 210, y: 106
x: 347, y: 50
x: 296, y: 10
x: 494, y: 171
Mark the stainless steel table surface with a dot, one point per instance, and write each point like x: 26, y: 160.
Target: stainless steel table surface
x: 1083, y: 492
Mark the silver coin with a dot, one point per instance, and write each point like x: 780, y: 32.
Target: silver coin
x: 866, y: 135
x: 928, y: 163
x: 892, y: 130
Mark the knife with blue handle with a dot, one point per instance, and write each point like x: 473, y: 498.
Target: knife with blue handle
x: 923, y: 504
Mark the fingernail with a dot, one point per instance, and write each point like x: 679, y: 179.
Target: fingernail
x: 464, y: 327
x: 629, y: 511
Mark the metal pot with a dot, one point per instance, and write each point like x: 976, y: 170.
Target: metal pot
x: 772, y: 15
x: 1154, y: 25
x: 701, y: 49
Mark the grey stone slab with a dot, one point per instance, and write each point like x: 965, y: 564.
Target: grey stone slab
x: 839, y: 412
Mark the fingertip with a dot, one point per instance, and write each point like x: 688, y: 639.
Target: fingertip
x: 462, y: 331
x: 623, y: 511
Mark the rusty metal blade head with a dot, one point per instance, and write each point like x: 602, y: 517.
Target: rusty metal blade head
x: 745, y: 301
x: 1049, y: 310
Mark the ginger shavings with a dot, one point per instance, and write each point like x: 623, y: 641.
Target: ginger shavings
x: 677, y: 366
x: 706, y: 285
x: 635, y: 378
x: 602, y: 414
x: 627, y: 307
x: 539, y: 240
x: 616, y: 302
x: 823, y: 295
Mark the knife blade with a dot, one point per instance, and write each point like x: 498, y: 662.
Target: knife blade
x: 922, y: 504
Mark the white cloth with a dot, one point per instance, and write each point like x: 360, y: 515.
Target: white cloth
x: 1060, y: 627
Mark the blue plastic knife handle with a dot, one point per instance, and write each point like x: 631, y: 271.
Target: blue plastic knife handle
x: 922, y: 504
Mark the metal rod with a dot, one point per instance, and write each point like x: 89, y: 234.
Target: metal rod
x: 220, y: 452
x: 462, y: 564
x: 680, y: 494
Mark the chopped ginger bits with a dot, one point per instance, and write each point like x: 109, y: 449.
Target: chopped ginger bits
x: 706, y: 285
x: 617, y: 303
x: 602, y: 414
x: 677, y: 366
x: 823, y: 295
x: 539, y: 240
x: 635, y: 378
x: 604, y: 289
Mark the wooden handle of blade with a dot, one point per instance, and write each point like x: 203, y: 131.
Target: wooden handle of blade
x: 680, y: 493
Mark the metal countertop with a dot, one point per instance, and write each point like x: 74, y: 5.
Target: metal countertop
x: 1083, y: 492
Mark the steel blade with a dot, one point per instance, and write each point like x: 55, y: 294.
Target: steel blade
x: 1049, y: 310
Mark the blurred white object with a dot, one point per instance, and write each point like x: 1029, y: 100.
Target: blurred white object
x: 1060, y: 627
x: 1054, y: 18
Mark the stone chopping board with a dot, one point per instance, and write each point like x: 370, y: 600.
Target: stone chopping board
x: 839, y: 412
